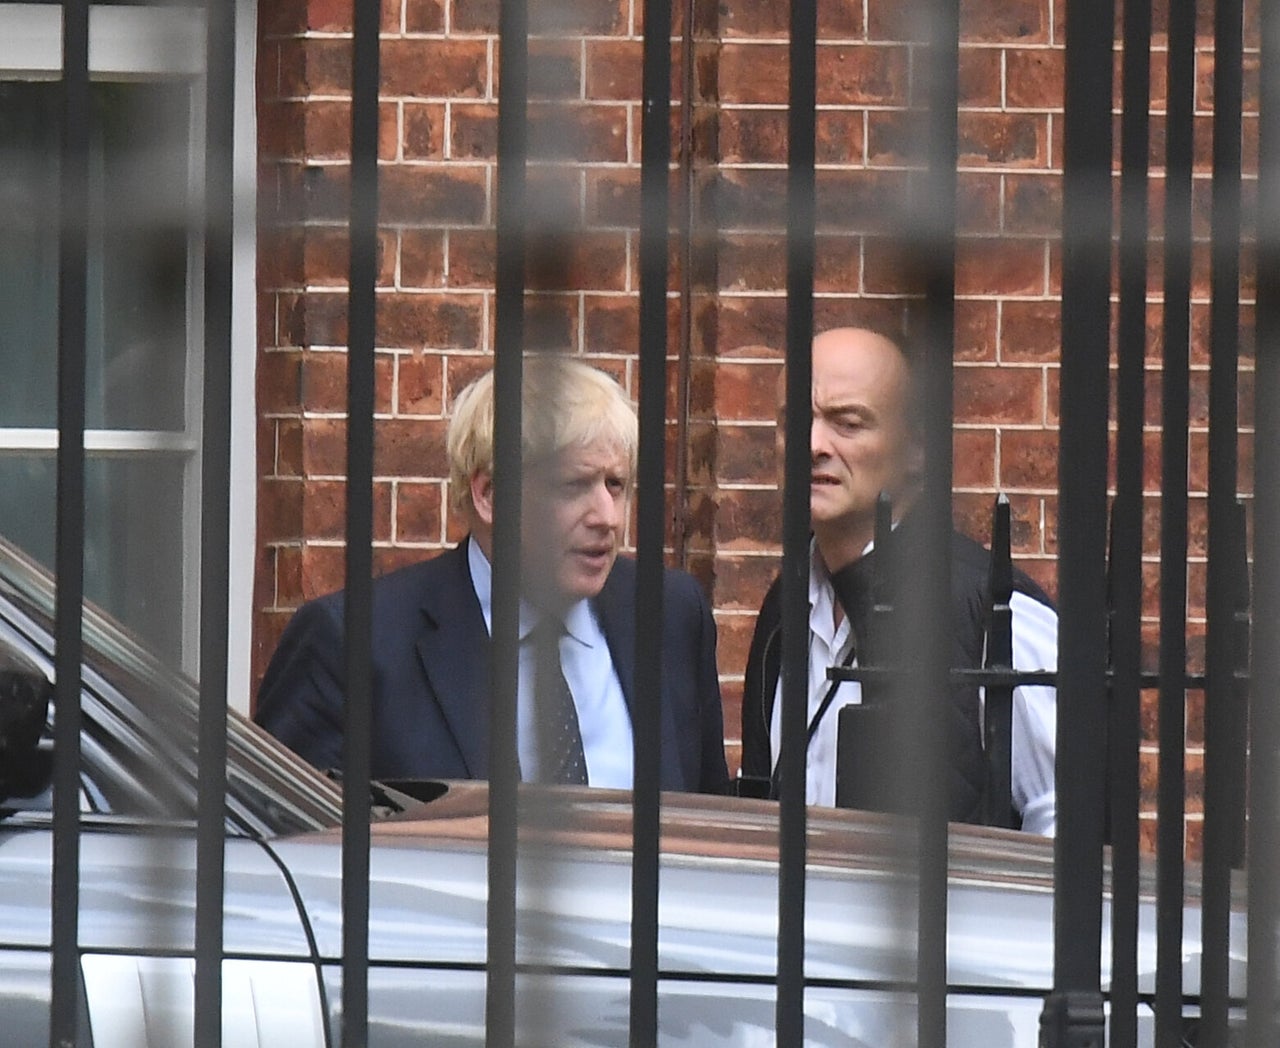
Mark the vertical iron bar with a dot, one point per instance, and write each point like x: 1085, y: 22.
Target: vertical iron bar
x: 1264, y: 714
x: 926, y: 607
x: 684, y: 219
x: 513, y: 98
x: 655, y: 162
x: 998, y: 710
x: 1171, y: 790
x: 215, y: 520
x: 362, y: 335
x: 1220, y: 656
x: 69, y: 556
x: 792, y: 822
x: 1073, y: 1012
x: 1125, y: 570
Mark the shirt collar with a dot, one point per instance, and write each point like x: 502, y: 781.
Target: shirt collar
x: 577, y: 620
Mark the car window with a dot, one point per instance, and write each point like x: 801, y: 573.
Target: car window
x: 140, y: 726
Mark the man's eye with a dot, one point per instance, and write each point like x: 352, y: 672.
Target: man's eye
x: 616, y: 485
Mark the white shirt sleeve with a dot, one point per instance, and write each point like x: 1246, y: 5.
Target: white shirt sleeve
x: 1035, y: 718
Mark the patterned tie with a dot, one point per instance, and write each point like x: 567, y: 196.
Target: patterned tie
x: 560, y: 756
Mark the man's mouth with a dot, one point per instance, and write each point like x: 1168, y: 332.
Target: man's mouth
x: 822, y: 478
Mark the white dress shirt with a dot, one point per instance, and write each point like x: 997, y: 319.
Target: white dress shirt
x: 603, y: 717
x: 1035, y: 647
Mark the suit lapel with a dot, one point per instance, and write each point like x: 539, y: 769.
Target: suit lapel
x: 454, y: 650
x: 616, y: 608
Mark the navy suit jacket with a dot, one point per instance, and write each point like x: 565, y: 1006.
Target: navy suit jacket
x: 431, y: 676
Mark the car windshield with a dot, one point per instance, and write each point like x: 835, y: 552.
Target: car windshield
x: 140, y: 726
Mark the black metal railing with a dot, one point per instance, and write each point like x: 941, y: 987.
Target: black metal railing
x: 1100, y: 680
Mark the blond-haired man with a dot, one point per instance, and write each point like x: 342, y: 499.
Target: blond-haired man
x: 432, y: 620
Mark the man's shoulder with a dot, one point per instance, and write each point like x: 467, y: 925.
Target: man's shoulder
x: 675, y: 581
x: 971, y: 568
x: 410, y: 579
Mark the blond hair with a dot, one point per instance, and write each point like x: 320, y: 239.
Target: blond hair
x: 564, y: 403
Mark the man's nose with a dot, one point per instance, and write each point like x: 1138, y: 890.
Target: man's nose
x: 819, y: 444
x: 604, y: 510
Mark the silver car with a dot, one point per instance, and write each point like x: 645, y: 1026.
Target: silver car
x: 428, y: 884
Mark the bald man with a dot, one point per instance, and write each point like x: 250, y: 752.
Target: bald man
x: 864, y: 439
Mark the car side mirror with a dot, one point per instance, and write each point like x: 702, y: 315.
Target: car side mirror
x: 25, y: 767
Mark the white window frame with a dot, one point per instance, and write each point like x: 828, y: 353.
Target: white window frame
x: 138, y: 43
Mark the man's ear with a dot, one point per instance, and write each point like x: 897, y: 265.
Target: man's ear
x: 482, y: 496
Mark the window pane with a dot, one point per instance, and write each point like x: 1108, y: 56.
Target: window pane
x: 139, y: 240
x: 133, y: 535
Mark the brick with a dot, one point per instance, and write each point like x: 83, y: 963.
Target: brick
x: 550, y: 321
x: 747, y: 455
x: 280, y: 131
x: 978, y: 202
x: 1028, y: 459
x: 1033, y: 205
x: 746, y: 19
x: 455, y: 68
x: 746, y: 518
x: 611, y: 324
x: 419, y: 512
x: 861, y: 74
x: 414, y: 196
x: 421, y: 258
x: 324, y: 510
x: 975, y: 330
x: 409, y: 448
x: 577, y: 133
x: 979, y: 77
x: 1000, y: 267
x: 279, y: 382
x: 324, y: 447
x: 424, y: 131
x: 863, y: 201
x: 837, y: 264
x: 579, y: 260
x: 324, y: 382
x: 1030, y: 330
x: 733, y: 642
x: 475, y: 16
x: 327, y: 258
x: 839, y: 137
x: 753, y: 74
x: 1034, y: 78
x: 419, y: 384
x: 424, y: 16
x: 288, y: 448
x: 1004, y: 139
x: 555, y: 69
x: 553, y: 200
x: 745, y: 392
x: 897, y: 137
x: 436, y: 321
x: 999, y: 395
x: 280, y: 260
x: 323, y: 570
x: 288, y: 577
x: 973, y: 454
x: 280, y: 510
x: 334, y: 16
x: 326, y: 68
x: 1004, y: 20
x: 613, y: 70
x: 749, y: 136
x: 742, y: 580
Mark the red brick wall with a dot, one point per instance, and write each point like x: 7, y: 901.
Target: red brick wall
x: 435, y: 321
